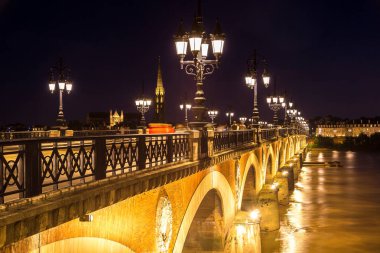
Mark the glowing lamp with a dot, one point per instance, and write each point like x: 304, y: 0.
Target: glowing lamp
x: 248, y: 81
x: 69, y: 87
x: 181, y: 47
x: 217, y: 40
x: 180, y: 40
x: 204, y: 48
x: 52, y: 87
x: 266, y: 78
x: 195, y: 38
x: 61, y: 85
x: 255, y: 214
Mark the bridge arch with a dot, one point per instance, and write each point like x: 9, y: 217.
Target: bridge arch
x: 207, y: 229
x: 291, y: 148
x: 252, y: 176
x: 213, y: 181
x: 83, y: 244
x: 280, y: 155
x: 270, y: 164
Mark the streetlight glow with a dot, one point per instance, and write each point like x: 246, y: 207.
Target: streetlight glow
x: 63, y: 83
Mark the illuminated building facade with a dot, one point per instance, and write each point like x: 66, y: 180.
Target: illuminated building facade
x: 346, y: 130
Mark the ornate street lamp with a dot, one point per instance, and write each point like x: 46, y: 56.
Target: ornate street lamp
x: 230, y: 115
x: 275, y: 104
x: 212, y: 114
x: 199, y: 66
x: 251, y: 80
x: 286, y: 105
x: 243, y: 120
x: 262, y: 123
x: 59, y: 76
x: 142, y: 105
x: 292, y: 114
x: 186, y: 107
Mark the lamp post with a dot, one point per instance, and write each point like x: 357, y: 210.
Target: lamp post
x: 142, y: 105
x: 262, y: 123
x: 292, y: 114
x: 275, y: 104
x: 286, y: 105
x: 251, y: 79
x: 185, y: 106
x: 230, y: 116
x: 212, y: 114
x: 250, y: 120
x: 59, y: 76
x: 198, y: 65
x: 243, y: 120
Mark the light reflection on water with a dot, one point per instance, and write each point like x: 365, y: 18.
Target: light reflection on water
x: 334, y: 209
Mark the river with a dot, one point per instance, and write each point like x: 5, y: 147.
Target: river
x: 335, y: 209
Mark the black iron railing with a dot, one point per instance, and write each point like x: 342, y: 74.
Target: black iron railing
x: 224, y: 140
x: 30, y: 167
x: 268, y: 134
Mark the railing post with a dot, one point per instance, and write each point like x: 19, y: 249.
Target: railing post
x: 210, y: 135
x: 259, y: 137
x: 169, y: 154
x: 32, y: 174
x: 100, y: 158
x: 141, y: 152
x: 194, y: 145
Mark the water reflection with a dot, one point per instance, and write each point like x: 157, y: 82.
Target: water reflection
x: 332, y: 209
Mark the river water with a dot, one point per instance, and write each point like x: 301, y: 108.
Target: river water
x: 335, y: 209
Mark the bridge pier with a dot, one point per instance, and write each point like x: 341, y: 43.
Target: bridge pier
x: 290, y: 176
x: 268, y: 206
x: 245, y: 234
x: 283, y: 188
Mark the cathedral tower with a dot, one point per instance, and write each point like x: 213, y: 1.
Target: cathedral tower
x: 159, y: 98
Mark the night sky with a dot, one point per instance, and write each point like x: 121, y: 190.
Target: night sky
x: 325, y: 54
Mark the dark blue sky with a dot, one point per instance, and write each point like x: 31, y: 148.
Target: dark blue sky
x: 326, y: 54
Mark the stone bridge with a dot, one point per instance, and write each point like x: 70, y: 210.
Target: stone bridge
x: 196, y: 191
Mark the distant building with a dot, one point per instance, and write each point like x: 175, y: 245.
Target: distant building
x: 159, y: 102
x: 346, y: 130
x: 116, y: 118
x: 112, y: 119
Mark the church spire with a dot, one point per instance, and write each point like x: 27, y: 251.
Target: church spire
x: 159, y: 85
x: 160, y: 94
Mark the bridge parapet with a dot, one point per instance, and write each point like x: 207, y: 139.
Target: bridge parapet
x: 31, y: 167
